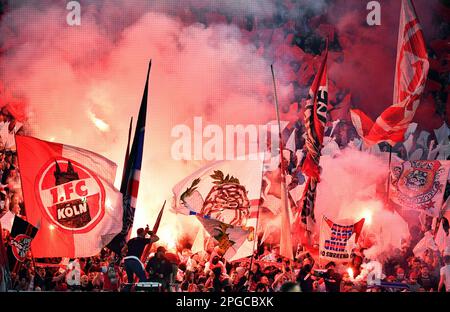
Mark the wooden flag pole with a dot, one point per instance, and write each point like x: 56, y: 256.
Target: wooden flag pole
x: 285, y: 237
x: 255, y: 236
x: 155, y: 229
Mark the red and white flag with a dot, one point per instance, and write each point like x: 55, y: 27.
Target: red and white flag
x: 363, y: 124
x: 70, y: 196
x: 315, y: 121
x: 411, y: 72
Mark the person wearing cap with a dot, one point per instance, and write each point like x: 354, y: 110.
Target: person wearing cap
x: 159, y: 268
x: 133, y: 250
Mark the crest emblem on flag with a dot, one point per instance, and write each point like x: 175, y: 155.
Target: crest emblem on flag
x: 227, y: 197
x: 224, y: 196
x: 20, y: 245
x: 416, y: 184
x: 227, y: 201
x: 70, y: 195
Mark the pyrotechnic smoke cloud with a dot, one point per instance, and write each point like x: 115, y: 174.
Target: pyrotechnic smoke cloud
x: 346, y: 194
x: 348, y: 191
x: 82, y: 83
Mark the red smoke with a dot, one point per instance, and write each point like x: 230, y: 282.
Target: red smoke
x: 79, y: 85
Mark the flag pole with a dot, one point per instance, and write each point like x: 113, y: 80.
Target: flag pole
x: 127, y: 154
x: 129, y: 186
x: 155, y: 229
x: 255, y: 238
x: 285, y: 236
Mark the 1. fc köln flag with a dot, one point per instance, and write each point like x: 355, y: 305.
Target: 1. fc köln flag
x: 70, y: 197
x: 20, y: 238
x: 411, y: 72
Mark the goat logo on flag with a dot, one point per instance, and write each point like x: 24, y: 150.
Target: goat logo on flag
x: 227, y: 197
x: 337, y: 240
x: 227, y: 200
x: 20, y: 246
x: 70, y: 195
x: 224, y: 196
x: 419, y: 185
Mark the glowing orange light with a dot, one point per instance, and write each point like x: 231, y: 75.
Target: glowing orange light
x: 367, y: 215
x: 168, y: 237
x: 350, y: 273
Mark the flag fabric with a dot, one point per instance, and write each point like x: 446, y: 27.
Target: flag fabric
x: 315, y: 121
x: 227, y: 193
x: 130, y: 182
x: 272, y: 190
x: 338, y: 240
x: 199, y: 242
x: 70, y: 197
x: 426, y: 243
x: 7, y: 220
x: 419, y: 185
x: 20, y: 239
x: 442, y: 237
x: 235, y: 242
x: 362, y: 123
x: 127, y: 152
x: 271, y: 184
x: 411, y: 72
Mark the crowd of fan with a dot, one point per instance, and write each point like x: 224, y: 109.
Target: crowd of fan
x: 207, y: 271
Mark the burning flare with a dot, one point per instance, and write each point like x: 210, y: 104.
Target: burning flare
x: 168, y: 237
